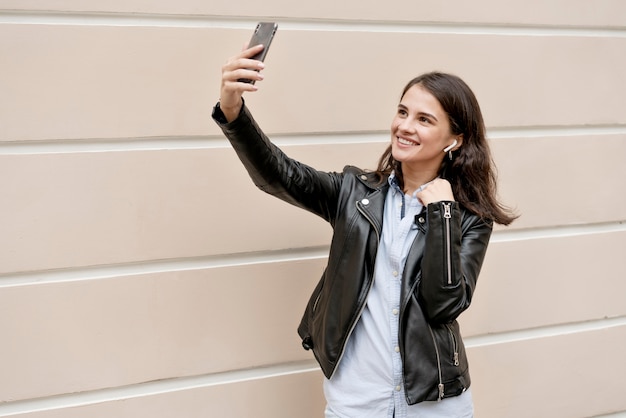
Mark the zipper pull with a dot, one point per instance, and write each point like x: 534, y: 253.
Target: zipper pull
x: 446, y: 211
x: 440, y: 391
x: 456, y: 359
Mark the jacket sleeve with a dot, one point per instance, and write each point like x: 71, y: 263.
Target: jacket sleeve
x: 274, y: 172
x: 453, y: 256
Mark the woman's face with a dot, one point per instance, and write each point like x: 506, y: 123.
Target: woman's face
x: 420, y: 131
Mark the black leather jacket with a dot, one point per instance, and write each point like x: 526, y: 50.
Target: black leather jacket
x: 439, y: 277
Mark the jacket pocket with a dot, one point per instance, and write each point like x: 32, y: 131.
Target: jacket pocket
x: 440, y: 384
x: 449, y: 356
x: 454, y: 345
x: 450, y: 347
x: 305, y: 329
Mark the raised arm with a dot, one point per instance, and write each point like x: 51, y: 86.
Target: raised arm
x: 269, y: 167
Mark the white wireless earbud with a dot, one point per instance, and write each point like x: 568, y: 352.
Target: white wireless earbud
x: 449, y: 147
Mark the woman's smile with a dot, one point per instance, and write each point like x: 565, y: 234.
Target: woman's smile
x: 408, y: 142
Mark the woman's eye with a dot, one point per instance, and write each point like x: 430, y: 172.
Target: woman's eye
x: 424, y: 119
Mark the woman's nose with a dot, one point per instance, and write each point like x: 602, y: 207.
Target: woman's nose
x: 406, y: 125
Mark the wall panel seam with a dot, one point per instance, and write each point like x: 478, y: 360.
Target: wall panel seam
x: 154, y: 388
x: 306, y: 24
x: 160, y: 266
x: 558, y: 231
x: 161, y: 143
x: 112, y: 271
x: 271, y: 371
x: 547, y: 331
x: 616, y: 414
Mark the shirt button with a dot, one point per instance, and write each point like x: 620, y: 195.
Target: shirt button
x: 398, y: 388
x: 395, y: 312
x: 395, y: 273
x: 397, y: 349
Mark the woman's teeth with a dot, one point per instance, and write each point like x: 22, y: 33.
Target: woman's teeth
x: 406, y: 142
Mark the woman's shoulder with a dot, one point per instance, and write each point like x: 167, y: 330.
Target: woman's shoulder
x: 368, y: 177
x: 361, y: 173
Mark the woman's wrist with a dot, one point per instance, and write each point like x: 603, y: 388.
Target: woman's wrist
x: 230, y: 113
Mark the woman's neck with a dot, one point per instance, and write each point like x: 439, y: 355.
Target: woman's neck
x: 413, y: 180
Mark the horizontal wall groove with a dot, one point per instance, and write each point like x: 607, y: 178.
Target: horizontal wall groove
x: 159, y: 266
x: 548, y: 331
x: 306, y: 366
x: 87, y: 18
x: 558, y: 231
x: 616, y: 414
x: 153, y: 388
x: 62, y: 146
x: 160, y: 143
x: 556, y: 131
x: 263, y: 257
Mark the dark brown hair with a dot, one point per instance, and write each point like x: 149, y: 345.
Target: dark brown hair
x: 471, y: 172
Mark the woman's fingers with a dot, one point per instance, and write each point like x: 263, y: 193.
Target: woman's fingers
x: 244, y: 60
x: 238, y: 74
x: 242, y: 67
x: 438, y: 190
x: 251, y: 50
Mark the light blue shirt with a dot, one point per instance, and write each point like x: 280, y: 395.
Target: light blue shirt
x: 368, y: 380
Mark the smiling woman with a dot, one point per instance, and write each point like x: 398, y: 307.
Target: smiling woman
x: 408, y: 244
x: 439, y: 112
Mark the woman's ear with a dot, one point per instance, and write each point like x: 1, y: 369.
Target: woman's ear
x: 459, y: 141
x: 451, y: 146
x: 456, y: 144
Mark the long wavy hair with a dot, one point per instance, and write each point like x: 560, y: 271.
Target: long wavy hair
x: 471, y: 172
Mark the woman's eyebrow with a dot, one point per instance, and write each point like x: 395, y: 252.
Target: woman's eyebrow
x: 428, y: 115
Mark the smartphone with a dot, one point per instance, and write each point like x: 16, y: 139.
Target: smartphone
x: 263, y: 34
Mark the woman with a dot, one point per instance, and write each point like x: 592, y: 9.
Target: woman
x: 408, y: 243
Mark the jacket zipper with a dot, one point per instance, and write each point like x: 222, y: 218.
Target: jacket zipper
x: 440, y: 385
x: 446, y: 216
x: 343, y: 348
x: 455, y: 345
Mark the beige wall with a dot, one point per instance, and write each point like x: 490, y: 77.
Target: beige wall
x: 141, y: 273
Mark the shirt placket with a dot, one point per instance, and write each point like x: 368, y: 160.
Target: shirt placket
x: 402, y: 226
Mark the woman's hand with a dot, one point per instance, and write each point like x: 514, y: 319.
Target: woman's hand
x: 436, y: 191
x: 239, y: 67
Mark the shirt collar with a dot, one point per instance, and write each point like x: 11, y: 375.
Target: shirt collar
x: 395, y: 187
x: 393, y: 183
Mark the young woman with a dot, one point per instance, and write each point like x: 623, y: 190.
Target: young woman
x: 408, y: 243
